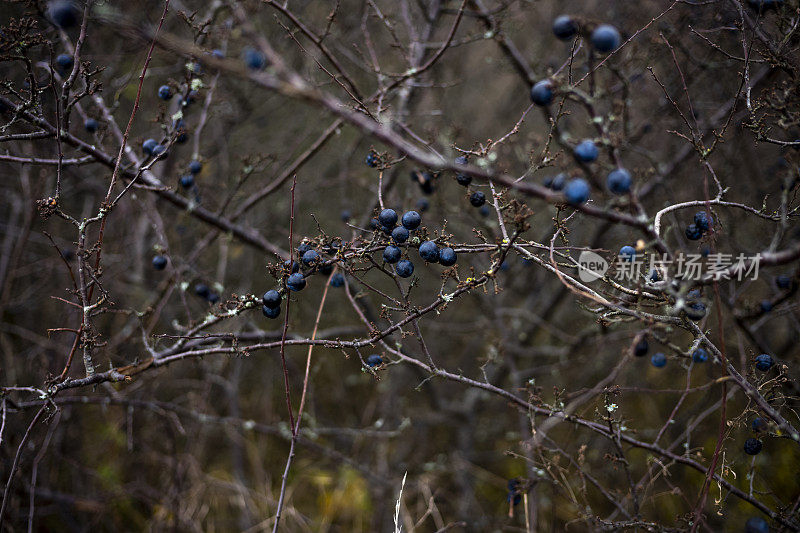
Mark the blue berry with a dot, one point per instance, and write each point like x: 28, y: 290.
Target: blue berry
x: 627, y: 253
x: 606, y: 38
x: 202, y: 290
x: 696, y: 311
x: 212, y: 298
x: 391, y: 254
x: 703, y: 221
x: 564, y: 27
x: 400, y: 234
x: 756, y: 524
x: 783, y: 281
x: 303, y: 248
x: 477, y: 199
x: 463, y: 179
x: 187, y: 181
x: 655, y: 275
x: 65, y: 61
x: 195, y: 166
x: 587, y: 151
x: 388, y: 218
x: 619, y: 181
x: 254, y: 59
x: 447, y: 257
x: 271, y: 312
x: 296, y: 282
x: 271, y: 298
x: 371, y: 160
x: 91, y: 125
x: 337, y: 280
x: 429, y: 252
x: 641, y: 348
x: 326, y: 268
x: 764, y: 362
x: 659, y: 360
x: 404, y: 268
x: 766, y: 306
x: 149, y: 146
x: 557, y: 182
x: 63, y: 13
x: 542, y: 93
x: 165, y: 92
x: 577, y: 191
x: 484, y: 210
x: 759, y: 425
x: 158, y: 150
x: 693, y: 233
x: 159, y: 262
x: 752, y: 446
x: 423, y: 204
x: 179, y: 127
x: 700, y: 355
x: 411, y: 220
x: 346, y: 215
x: 310, y: 258
x: 374, y: 360
x: 293, y: 265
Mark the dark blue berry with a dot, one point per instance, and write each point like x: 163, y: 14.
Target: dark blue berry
x: 400, y: 234
x: 293, y: 265
x: 254, y: 59
x: 391, y: 254
x: 447, y: 257
x: 659, y: 360
x: 371, y: 160
x: 63, y: 13
x: 65, y: 61
x: 187, y: 181
x: 557, y: 182
x: 388, y: 218
x: 429, y: 252
x: 484, y: 210
x: 587, y: 151
x: 202, y: 290
x: 752, y: 446
x: 756, y: 524
x: 159, y: 262
x: 564, y: 27
x: 423, y: 204
x: 619, y: 181
x: 345, y: 215
x: 271, y: 312
x: 411, y: 220
x: 477, y: 199
x: 703, y: 221
x: 627, y: 253
x: 149, y: 146
x: 91, y: 125
x: 159, y: 149
x: 606, y: 38
x: 696, y: 311
x: 693, y: 233
x: 310, y: 258
x: 213, y: 298
x: 337, y: 280
x: 640, y: 350
x: 577, y: 191
x: 271, y: 298
x: 405, y: 268
x: 760, y: 424
x: 783, y: 281
x: 542, y: 93
x: 766, y: 306
x: 700, y: 355
x: 655, y: 275
x: 165, y: 92
x: 296, y: 282
x: 764, y: 362
x: 195, y: 166
x: 326, y: 268
x: 374, y: 360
